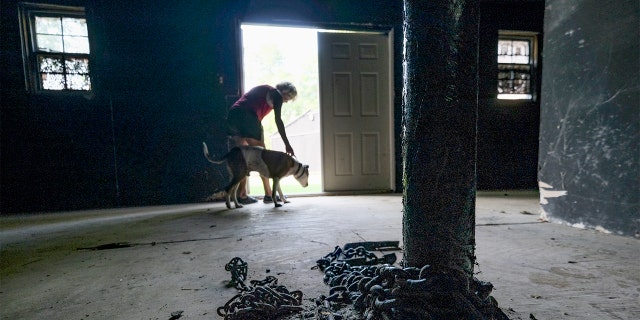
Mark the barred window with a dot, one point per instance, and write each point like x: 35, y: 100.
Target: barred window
x: 56, y: 48
x: 516, y: 66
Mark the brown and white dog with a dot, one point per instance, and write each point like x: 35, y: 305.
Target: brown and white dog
x: 270, y: 164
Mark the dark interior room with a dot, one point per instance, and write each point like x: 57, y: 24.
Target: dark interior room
x: 521, y: 117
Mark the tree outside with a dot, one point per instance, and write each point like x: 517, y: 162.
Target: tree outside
x: 275, y: 54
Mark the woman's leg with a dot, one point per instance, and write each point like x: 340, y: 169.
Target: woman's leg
x: 245, y: 128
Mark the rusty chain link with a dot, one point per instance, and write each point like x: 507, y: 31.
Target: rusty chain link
x: 354, y: 257
x: 263, y: 299
x: 238, y: 269
x: 384, y: 291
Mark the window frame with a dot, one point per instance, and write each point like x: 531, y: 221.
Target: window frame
x: 30, y: 53
x: 532, y: 38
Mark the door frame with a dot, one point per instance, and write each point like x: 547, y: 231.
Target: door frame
x: 331, y: 27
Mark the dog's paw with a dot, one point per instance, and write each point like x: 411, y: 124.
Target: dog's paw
x: 278, y: 205
x: 239, y: 206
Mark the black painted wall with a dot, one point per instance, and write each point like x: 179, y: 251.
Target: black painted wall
x: 590, y: 121
x: 162, y: 72
x: 507, y: 130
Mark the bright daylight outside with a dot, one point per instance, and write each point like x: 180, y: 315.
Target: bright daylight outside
x: 272, y: 55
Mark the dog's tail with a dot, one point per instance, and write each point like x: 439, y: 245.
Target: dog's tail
x: 208, y: 156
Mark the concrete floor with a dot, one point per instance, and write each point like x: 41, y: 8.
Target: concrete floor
x: 177, y: 256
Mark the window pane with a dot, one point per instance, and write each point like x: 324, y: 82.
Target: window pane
x: 76, y: 44
x: 50, y: 64
x: 74, y: 27
x: 515, y: 66
x: 513, y: 86
x: 514, y: 78
x: 521, y: 48
x: 60, y: 39
x: 504, y: 51
x: 48, y: 25
x: 77, y: 65
x: 78, y: 82
x: 520, y: 52
x: 513, y: 51
x: 49, y: 43
x: 52, y: 81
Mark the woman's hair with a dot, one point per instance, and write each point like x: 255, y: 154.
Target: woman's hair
x: 287, y: 87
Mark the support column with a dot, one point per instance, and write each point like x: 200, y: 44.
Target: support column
x: 439, y: 133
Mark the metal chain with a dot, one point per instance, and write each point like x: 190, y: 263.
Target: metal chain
x: 384, y: 291
x: 263, y: 299
x: 354, y: 257
x: 238, y: 269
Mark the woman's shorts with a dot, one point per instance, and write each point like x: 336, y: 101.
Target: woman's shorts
x: 245, y: 124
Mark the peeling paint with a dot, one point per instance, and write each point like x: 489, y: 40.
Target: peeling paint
x: 544, y: 216
x: 603, y: 230
x: 578, y: 225
x: 547, y: 192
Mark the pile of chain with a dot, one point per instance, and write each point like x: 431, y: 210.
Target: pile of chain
x: 357, y: 256
x: 261, y: 300
x: 387, y: 292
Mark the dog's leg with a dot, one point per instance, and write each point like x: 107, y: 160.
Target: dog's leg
x: 234, y: 195
x: 227, y: 197
x: 284, y: 200
x: 274, y: 189
x: 227, y: 201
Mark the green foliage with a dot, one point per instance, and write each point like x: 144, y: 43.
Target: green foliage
x: 275, y: 54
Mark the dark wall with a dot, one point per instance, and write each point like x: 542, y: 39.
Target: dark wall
x: 507, y: 130
x: 589, y: 131
x: 163, y: 72
x: 56, y: 152
x: 135, y: 141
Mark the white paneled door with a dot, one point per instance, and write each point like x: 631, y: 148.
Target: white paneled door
x: 356, y: 111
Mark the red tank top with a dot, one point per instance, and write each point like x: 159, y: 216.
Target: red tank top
x: 256, y: 101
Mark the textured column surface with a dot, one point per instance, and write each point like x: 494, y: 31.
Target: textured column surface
x: 439, y: 133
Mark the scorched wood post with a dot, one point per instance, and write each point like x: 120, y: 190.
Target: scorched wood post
x: 439, y: 133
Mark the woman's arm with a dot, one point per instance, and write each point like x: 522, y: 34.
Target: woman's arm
x: 277, y: 109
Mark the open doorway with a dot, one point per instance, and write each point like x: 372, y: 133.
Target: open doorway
x: 272, y: 54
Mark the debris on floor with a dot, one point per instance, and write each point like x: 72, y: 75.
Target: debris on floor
x: 108, y: 246
x: 361, y: 289
x: 261, y: 299
x: 365, y: 285
x: 176, y: 315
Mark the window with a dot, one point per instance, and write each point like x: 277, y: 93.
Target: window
x: 516, y: 65
x: 56, y: 51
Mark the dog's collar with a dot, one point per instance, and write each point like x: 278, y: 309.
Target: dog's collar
x: 299, y: 172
